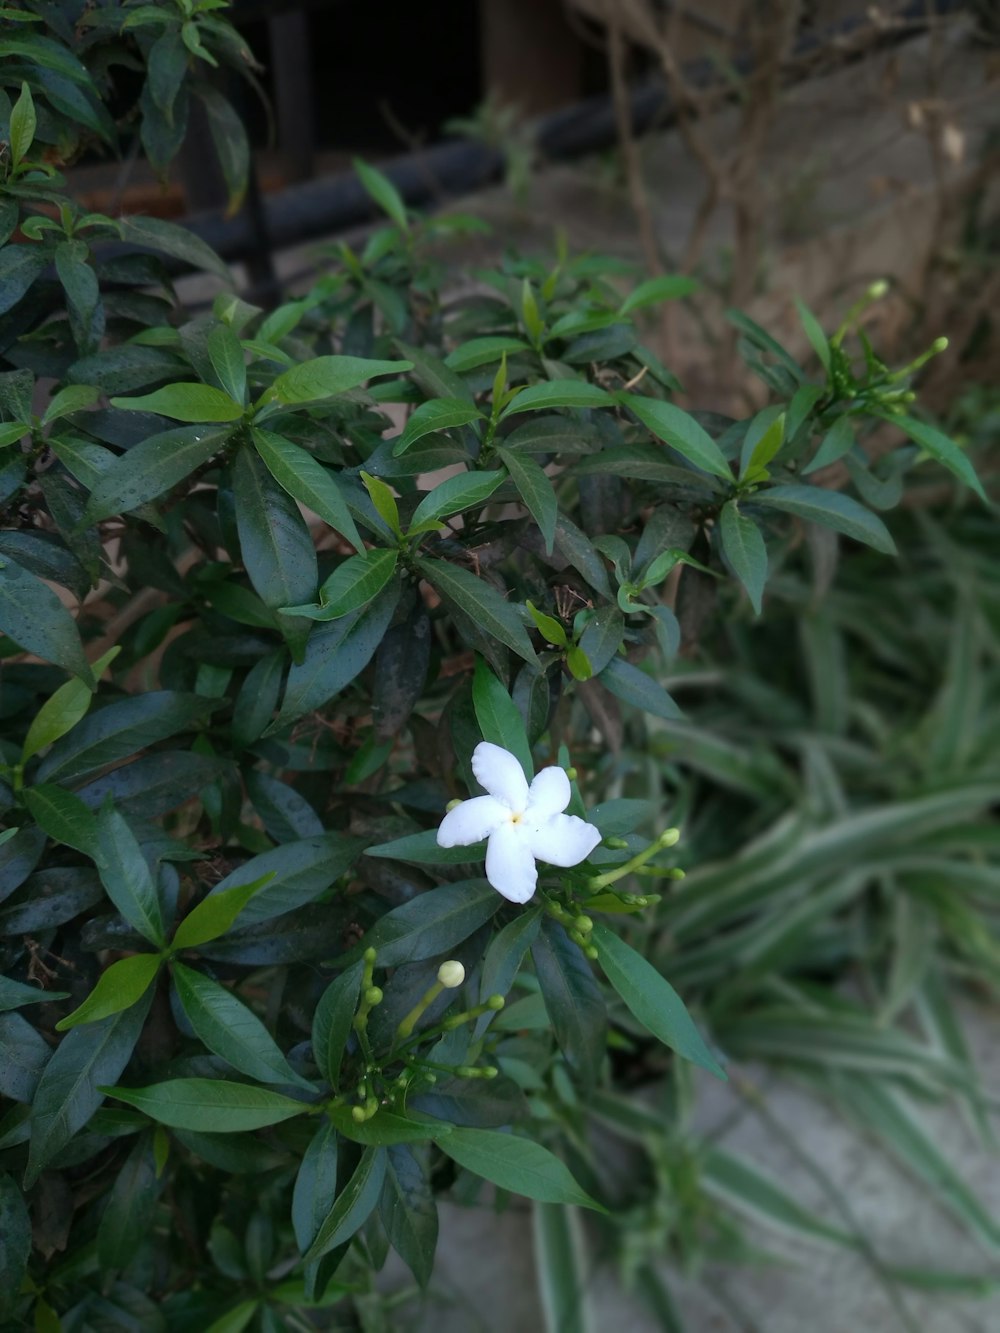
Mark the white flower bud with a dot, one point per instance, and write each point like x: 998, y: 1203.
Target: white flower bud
x: 451, y: 974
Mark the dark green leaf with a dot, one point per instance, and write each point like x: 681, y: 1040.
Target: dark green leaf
x: 667, y: 287
x: 128, y: 1217
x: 63, y: 816
x: 602, y: 638
x: 480, y: 600
x: 331, y: 1026
x: 33, y: 616
x: 573, y: 1000
x: 125, y: 875
x: 651, y: 999
x: 432, y: 923
x: 169, y: 239
x: 483, y: 352
x: 536, y: 490
x: 818, y: 340
x: 680, y: 430
x: 120, y: 729
x: 633, y: 686
x: 300, y: 870
x: 20, y: 265
x: 353, y: 1206
x: 838, y: 441
x: 939, y: 446
x: 408, y: 1212
x: 275, y: 542
x: 382, y: 190
x: 15, y: 995
x: 18, y: 857
x: 232, y: 1031
x: 335, y: 655
x: 315, y: 1186
x: 151, y: 468
x: 744, y: 551
x: 69, y: 1091
x: 307, y: 481
x: 831, y: 509
x: 15, y: 1242
x: 210, y: 1105
x: 232, y: 147
x: 515, y: 1164
x: 23, y: 1057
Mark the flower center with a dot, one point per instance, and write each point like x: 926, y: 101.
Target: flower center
x: 516, y: 816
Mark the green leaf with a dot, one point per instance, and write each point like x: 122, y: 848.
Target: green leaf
x: 651, y: 999
x: 15, y: 1242
x: 680, y: 430
x: 763, y: 341
x: 483, y: 352
x: 573, y: 1001
x: 765, y: 436
x: 549, y: 628
x: 232, y: 1031
x: 33, y: 616
x: 212, y: 1106
x: 228, y: 361
x: 946, y: 451
x: 498, y: 716
x: 151, y: 468
x: 422, y: 849
x: 118, y: 987
x: 24, y: 1054
x: 170, y: 239
x: 275, y: 543
x: 629, y: 683
x: 83, y: 295
x: 838, y: 441
x: 315, y: 1187
x: 437, y: 414
x: 384, y: 501
x: 432, y: 923
x: 69, y: 1091
x: 384, y: 1129
x: 119, y: 730
x: 562, y: 1268
x: 515, y: 1164
x: 22, y: 126
x: 71, y: 398
x: 63, y: 816
x: 506, y: 953
x: 216, y: 915
x: 454, y: 494
x: 306, y: 480
x: 298, y: 873
x: 744, y: 550
x: 331, y: 1025
x: 831, y: 509
x: 382, y: 190
x: 185, y: 402
x: 335, y: 655
x: 15, y: 995
x: 327, y: 376
x: 536, y: 490
x: 20, y: 265
x: 131, y: 1207
x: 741, y: 1186
x: 126, y: 877
x: 408, y: 1212
x: 558, y: 393
x: 353, y: 1206
x: 667, y: 287
x: 480, y: 600
x: 818, y: 340
x: 229, y: 138
x: 351, y: 586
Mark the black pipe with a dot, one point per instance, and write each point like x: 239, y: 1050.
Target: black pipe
x: 337, y: 202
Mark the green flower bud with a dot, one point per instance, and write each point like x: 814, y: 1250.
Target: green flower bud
x: 374, y: 995
x: 451, y: 974
x: 584, y: 925
x: 358, y: 1115
x: 495, y: 1002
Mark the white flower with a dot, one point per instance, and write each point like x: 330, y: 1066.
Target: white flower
x: 523, y: 824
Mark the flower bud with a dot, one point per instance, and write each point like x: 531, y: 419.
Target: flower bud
x: 451, y: 974
x: 669, y: 836
x: 452, y: 805
x: 369, y: 955
x: 495, y: 1002
x: 590, y: 951
x: 877, y: 290
x: 939, y: 345
x: 374, y: 995
x: 489, y: 1071
x: 358, y: 1115
x: 584, y: 925
x: 571, y: 774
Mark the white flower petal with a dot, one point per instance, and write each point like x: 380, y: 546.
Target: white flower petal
x: 500, y: 773
x: 563, y: 840
x: 510, y: 866
x: 472, y: 821
x: 548, y: 794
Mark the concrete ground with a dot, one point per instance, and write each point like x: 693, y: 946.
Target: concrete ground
x: 485, y: 1275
